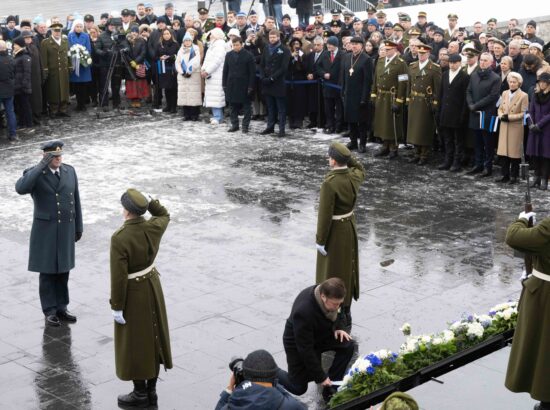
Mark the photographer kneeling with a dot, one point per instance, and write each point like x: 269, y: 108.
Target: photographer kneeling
x: 252, y: 385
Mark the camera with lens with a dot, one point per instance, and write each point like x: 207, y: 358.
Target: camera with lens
x: 236, y: 366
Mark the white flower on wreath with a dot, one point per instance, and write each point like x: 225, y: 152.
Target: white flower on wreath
x: 475, y: 329
x: 426, y: 339
x: 406, y: 329
x: 448, y: 336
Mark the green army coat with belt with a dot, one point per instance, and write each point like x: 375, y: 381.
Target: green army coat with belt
x: 529, y: 364
x: 390, y: 84
x: 422, y: 99
x: 143, y: 342
x: 338, y: 196
x: 56, y: 66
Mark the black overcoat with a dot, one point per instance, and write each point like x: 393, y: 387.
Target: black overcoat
x: 274, y: 66
x: 57, y: 217
x: 452, y: 97
x: 167, y: 79
x: 356, y: 87
x: 36, y: 78
x: 297, y: 95
x: 239, y: 75
x: 482, y: 95
x: 333, y: 68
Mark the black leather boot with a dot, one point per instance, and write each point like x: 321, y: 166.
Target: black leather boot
x: 152, y: 391
x: 536, y: 183
x: 544, y: 185
x: 136, y: 398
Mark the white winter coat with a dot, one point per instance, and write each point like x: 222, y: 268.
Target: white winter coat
x: 214, y: 96
x: 189, y: 89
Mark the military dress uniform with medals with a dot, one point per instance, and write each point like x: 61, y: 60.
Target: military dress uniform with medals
x: 57, y: 225
x: 425, y: 82
x: 389, y: 89
x: 529, y: 364
x: 56, y: 66
x: 336, y: 226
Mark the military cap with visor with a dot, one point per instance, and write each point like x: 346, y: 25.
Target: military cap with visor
x: 56, y: 26
x: 339, y: 152
x: 424, y: 48
x: 54, y: 147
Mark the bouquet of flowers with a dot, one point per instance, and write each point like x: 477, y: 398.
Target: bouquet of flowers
x: 79, y: 56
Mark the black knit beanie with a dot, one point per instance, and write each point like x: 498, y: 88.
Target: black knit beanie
x: 259, y: 366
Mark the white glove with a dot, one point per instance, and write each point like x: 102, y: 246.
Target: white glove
x: 117, y: 315
x: 528, y: 215
x: 523, y: 275
x: 321, y: 249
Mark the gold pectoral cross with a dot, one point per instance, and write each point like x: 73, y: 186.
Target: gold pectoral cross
x: 351, y: 71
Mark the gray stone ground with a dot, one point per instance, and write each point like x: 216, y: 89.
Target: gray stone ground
x: 240, y: 246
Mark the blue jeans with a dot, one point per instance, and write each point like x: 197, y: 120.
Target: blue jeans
x: 484, y: 149
x: 277, y: 10
x: 276, y: 109
x: 10, y: 116
x: 217, y: 114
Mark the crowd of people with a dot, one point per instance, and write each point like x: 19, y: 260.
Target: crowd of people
x: 464, y: 94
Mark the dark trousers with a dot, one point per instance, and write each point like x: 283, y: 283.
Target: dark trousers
x: 510, y: 167
x: 422, y: 151
x: 542, y: 167
x: 191, y: 112
x: 234, y: 114
x: 303, y: 18
x: 171, y: 95
x: 94, y: 85
x: 333, y: 112
x: 357, y: 130
x: 23, y: 109
x: 54, y: 292
x: 82, y: 93
x: 276, y: 109
x: 484, y: 149
x: 116, y: 81
x: 454, y: 145
x: 297, y: 377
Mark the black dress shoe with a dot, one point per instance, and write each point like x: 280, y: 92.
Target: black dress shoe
x: 245, y: 130
x: 544, y: 185
x: 281, y: 133
x: 362, y: 148
x: 312, y: 125
x: 414, y: 160
x: 485, y: 174
x: 267, y: 131
x: 475, y: 170
x: 352, y: 145
x: 52, y: 320
x: 66, y: 316
x: 422, y: 161
x: 328, y: 130
x: 513, y: 180
x: 444, y: 167
x: 233, y: 128
x: 536, y: 183
x: 456, y: 168
x: 62, y: 114
x: 393, y: 155
x: 503, y: 179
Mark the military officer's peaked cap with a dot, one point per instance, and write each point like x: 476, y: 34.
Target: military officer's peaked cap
x: 54, y: 147
x: 452, y: 16
x: 202, y: 10
x: 318, y: 13
x: 380, y: 14
x: 389, y: 43
x: 335, y: 12
x: 358, y: 40
x: 56, y: 26
x: 492, y: 20
x: 455, y: 58
x: 422, y: 14
x: 398, y: 27
x: 499, y: 41
x: 371, y: 9
x: 339, y: 152
x: 404, y: 17
x: 134, y: 201
x: 424, y: 48
x: 414, y: 32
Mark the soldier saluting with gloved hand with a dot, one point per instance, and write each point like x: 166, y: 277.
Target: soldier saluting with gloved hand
x: 57, y: 225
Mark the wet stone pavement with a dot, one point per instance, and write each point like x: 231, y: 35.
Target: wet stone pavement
x: 240, y: 246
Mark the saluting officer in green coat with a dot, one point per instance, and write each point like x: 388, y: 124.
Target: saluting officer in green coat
x: 529, y: 365
x: 425, y: 80
x: 56, y: 66
x: 142, y: 341
x: 388, y: 94
x: 337, y: 244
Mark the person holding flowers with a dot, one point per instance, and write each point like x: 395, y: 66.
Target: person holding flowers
x: 80, y: 53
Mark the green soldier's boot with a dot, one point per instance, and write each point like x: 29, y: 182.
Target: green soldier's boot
x: 152, y: 391
x: 136, y: 398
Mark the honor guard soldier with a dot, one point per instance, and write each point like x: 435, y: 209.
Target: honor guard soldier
x: 388, y: 95
x: 529, y: 362
x: 57, y: 225
x: 337, y: 246
x: 425, y: 80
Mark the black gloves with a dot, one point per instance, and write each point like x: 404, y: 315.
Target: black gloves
x: 77, y: 236
x: 504, y: 118
x: 251, y: 92
x: 45, y: 161
x: 267, y: 81
x: 534, y: 128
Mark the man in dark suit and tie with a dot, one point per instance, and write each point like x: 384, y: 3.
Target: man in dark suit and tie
x: 315, y: 108
x: 329, y: 71
x: 57, y: 225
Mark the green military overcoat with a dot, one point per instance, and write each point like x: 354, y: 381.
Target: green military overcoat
x: 388, y: 80
x: 423, y: 96
x: 56, y: 66
x: 529, y: 365
x: 143, y: 342
x: 338, y: 196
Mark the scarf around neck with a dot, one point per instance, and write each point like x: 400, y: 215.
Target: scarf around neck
x: 273, y: 47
